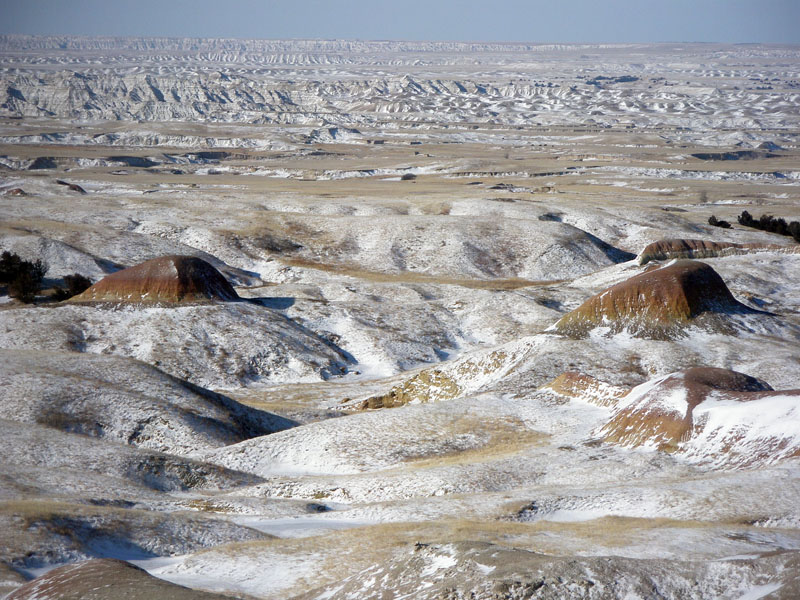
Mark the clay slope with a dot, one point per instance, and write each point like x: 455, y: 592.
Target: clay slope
x: 683, y: 248
x: 577, y: 385
x: 214, y: 345
x: 167, y: 279
x: 482, y: 571
x: 658, y: 303
x: 44, y: 462
x: 104, y: 579
x: 67, y: 497
x: 123, y: 400
x: 711, y: 416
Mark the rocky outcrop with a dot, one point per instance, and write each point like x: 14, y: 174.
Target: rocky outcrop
x: 43, y: 162
x: 711, y: 416
x: 735, y: 155
x: 683, y: 248
x: 427, y: 384
x: 465, y: 375
x: 578, y: 385
x: 167, y: 279
x: 104, y: 579
x: 657, y: 304
x: 73, y: 187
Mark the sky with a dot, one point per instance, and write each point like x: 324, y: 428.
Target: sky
x: 733, y: 21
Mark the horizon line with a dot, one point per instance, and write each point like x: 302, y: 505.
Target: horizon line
x: 395, y: 40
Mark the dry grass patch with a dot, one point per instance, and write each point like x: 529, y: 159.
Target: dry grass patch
x: 553, y: 537
x: 503, y: 438
x: 448, y: 382
x: 356, y: 272
x: 324, y: 399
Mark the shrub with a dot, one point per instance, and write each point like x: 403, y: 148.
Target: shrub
x: 9, y: 266
x: 24, y: 278
x: 745, y: 219
x: 60, y: 294
x: 28, y: 281
x: 794, y: 230
x: 76, y: 283
x: 24, y: 287
x: 712, y: 220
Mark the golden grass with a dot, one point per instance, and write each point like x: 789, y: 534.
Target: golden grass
x: 41, y: 509
x: 309, y: 398
x: 506, y: 437
x: 412, y: 277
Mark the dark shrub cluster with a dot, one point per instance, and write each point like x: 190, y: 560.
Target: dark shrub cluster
x: 712, y: 220
x: 23, y: 277
x: 771, y: 224
x: 76, y: 284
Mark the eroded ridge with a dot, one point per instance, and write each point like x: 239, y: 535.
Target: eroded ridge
x: 688, y: 248
x: 167, y: 279
x: 711, y: 416
x: 657, y: 303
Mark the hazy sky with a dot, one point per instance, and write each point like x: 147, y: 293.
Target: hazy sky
x: 475, y: 20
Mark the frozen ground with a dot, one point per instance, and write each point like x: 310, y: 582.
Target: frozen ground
x: 404, y: 223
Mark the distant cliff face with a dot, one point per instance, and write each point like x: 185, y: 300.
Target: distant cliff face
x: 167, y: 279
x: 173, y: 79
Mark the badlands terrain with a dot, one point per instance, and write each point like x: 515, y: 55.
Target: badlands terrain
x: 395, y: 319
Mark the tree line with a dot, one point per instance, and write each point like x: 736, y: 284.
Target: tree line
x: 771, y: 224
x: 24, y: 278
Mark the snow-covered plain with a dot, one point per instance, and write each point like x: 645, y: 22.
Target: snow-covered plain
x: 404, y: 223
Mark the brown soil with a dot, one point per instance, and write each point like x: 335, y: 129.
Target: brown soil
x: 681, y: 248
x: 655, y: 303
x: 648, y: 424
x: 165, y: 279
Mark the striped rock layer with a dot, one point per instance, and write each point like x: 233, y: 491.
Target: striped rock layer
x: 656, y: 304
x: 167, y: 279
x: 710, y: 416
x: 682, y: 248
